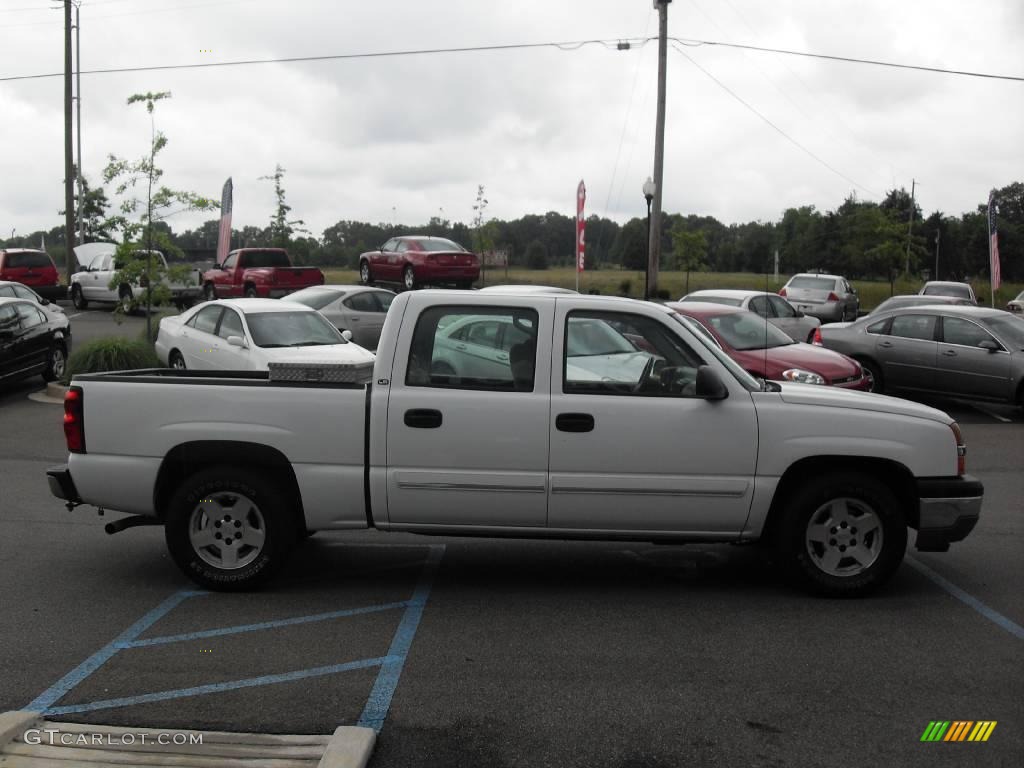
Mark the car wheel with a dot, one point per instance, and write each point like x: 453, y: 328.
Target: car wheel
x: 124, y: 297
x: 364, y: 273
x: 209, y: 292
x: 56, y: 363
x: 176, y: 361
x: 229, y: 529
x: 408, y: 278
x: 77, y: 298
x: 874, y: 373
x: 842, y: 535
x: 464, y: 284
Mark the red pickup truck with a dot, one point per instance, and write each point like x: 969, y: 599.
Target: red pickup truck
x: 262, y: 272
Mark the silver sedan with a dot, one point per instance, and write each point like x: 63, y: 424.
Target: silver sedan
x: 775, y: 309
x: 355, y: 308
x: 970, y: 352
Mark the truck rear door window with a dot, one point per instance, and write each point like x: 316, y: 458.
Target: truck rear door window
x: 474, y: 348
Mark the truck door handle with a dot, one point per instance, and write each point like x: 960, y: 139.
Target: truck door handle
x: 574, y: 422
x: 423, y: 418
x: 950, y: 353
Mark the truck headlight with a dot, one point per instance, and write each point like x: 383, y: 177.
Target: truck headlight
x: 802, y: 377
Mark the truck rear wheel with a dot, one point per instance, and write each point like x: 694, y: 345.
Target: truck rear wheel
x: 842, y: 534
x: 229, y: 529
x: 209, y: 292
x: 250, y: 292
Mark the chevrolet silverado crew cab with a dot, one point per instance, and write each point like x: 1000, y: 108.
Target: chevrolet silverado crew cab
x: 531, y: 415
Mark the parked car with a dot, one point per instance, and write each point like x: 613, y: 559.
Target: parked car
x: 917, y: 300
x: 32, y: 341
x: 970, y: 352
x: 99, y: 262
x: 690, y: 448
x: 11, y: 290
x: 33, y: 268
x: 258, y: 273
x: 946, y: 288
x: 779, y: 312
x: 830, y: 298
x: 1016, y: 305
x: 354, y: 308
x: 767, y: 352
x: 414, y: 260
x: 248, y: 334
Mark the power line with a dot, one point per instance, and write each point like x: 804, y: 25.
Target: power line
x: 781, y: 132
x: 619, y: 44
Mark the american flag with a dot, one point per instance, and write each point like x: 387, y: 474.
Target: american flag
x: 993, y: 242
x: 224, y: 236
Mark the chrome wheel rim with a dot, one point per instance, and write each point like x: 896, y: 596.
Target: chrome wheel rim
x: 364, y: 272
x: 178, y: 363
x: 227, y: 530
x: 409, y: 279
x: 844, y: 537
x: 57, y: 362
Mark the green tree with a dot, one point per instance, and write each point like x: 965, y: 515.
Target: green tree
x: 630, y: 246
x: 690, y: 249
x: 281, y: 227
x: 143, y: 212
x: 483, y: 242
x: 536, y: 255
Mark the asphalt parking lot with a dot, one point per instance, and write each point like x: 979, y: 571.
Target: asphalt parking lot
x: 505, y: 653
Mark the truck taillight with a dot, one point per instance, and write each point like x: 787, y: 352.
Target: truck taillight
x: 961, y: 449
x: 74, y: 423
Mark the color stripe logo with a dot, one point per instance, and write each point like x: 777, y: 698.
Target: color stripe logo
x: 958, y: 730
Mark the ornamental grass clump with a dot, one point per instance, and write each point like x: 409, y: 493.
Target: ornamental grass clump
x: 110, y: 355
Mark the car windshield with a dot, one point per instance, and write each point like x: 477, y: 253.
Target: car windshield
x: 291, y: 329
x: 1008, y: 328
x: 437, y: 244
x: 745, y: 330
x: 812, y: 283
x: 709, y: 341
x: 960, y: 291
x: 1020, y: 296
x: 265, y: 259
x: 729, y: 302
x: 589, y: 336
x: 317, y: 298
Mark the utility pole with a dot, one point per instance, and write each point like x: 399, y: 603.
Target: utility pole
x: 654, y: 247
x: 69, y: 159
x: 938, y: 236
x: 78, y: 120
x: 910, y: 227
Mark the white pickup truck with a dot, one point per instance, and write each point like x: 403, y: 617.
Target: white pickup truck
x: 98, y: 263
x: 532, y: 415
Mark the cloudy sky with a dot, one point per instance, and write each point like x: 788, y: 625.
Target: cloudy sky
x: 405, y: 138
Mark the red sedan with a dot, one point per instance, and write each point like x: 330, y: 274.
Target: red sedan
x: 763, y: 350
x: 413, y: 260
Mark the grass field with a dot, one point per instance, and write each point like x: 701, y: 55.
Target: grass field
x: 610, y: 281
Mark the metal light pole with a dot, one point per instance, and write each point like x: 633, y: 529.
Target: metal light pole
x: 654, y: 247
x: 910, y: 227
x: 78, y: 113
x: 649, y: 190
x: 69, y: 158
x: 938, y: 236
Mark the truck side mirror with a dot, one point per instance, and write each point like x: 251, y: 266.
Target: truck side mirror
x: 237, y: 341
x: 709, y: 384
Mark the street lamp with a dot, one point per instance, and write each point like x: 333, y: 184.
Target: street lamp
x: 649, y: 190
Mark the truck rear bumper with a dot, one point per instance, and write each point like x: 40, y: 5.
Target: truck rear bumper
x: 61, y: 484
x: 948, y: 511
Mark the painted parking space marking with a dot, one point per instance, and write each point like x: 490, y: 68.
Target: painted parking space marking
x: 990, y: 413
x: 375, y: 711
x: 991, y: 614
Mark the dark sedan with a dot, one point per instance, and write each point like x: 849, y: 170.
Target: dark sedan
x: 970, y: 352
x: 764, y: 350
x: 414, y: 260
x: 31, y: 341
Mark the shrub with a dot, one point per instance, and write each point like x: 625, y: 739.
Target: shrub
x: 625, y: 286
x: 154, y: 328
x: 113, y: 354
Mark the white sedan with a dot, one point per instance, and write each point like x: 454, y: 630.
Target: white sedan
x: 248, y: 334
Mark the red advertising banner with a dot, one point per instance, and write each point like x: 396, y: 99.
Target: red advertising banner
x: 224, y: 235
x: 581, y: 198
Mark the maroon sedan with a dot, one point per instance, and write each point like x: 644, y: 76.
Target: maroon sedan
x: 413, y: 260
x: 763, y: 350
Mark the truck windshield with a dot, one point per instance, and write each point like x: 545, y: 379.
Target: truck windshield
x: 292, y: 329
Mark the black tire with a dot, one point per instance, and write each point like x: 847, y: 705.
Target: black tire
x: 408, y: 278
x: 842, y: 534
x: 77, y: 298
x: 204, y: 502
x: 874, y: 373
x: 250, y: 292
x: 176, y: 361
x: 464, y: 284
x: 56, y: 362
x: 209, y: 292
x: 365, y: 275
x: 124, y: 297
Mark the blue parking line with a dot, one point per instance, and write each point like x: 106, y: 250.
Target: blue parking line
x: 1008, y: 624
x: 376, y: 710
x: 261, y: 625
x: 73, y: 678
x: 200, y: 690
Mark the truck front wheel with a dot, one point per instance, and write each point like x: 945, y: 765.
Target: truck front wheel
x: 842, y: 534
x: 228, y: 529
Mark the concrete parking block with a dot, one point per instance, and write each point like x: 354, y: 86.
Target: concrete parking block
x: 28, y: 740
